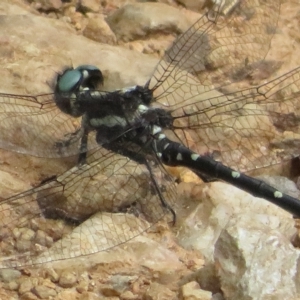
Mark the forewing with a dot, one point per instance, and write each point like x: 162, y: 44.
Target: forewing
x: 197, y: 81
x: 213, y: 52
x: 34, y: 125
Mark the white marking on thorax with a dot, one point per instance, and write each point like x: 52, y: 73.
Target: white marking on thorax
x: 128, y: 89
x: 161, y: 136
x: 156, y: 129
x: 142, y: 108
x: 109, y: 121
x: 98, y: 93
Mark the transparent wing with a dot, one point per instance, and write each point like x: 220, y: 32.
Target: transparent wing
x: 108, y: 184
x: 214, y: 50
x: 247, y: 129
x: 34, y: 125
x: 197, y: 80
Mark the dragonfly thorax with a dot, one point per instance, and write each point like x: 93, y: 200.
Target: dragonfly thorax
x: 111, y: 114
x: 123, y: 113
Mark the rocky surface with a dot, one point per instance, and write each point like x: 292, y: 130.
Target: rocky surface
x: 226, y: 243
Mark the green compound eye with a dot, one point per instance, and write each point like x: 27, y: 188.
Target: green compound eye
x: 84, y: 76
x: 69, y: 80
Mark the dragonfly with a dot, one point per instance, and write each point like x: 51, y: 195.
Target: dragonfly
x: 192, y: 113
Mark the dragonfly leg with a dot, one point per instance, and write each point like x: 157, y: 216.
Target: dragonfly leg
x: 140, y: 158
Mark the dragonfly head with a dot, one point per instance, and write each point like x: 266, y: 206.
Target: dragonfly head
x: 73, y: 81
x: 81, y: 78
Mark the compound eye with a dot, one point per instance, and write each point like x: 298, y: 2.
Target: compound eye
x: 84, y: 77
x: 69, y: 81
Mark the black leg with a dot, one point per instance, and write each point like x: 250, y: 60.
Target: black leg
x: 140, y: 158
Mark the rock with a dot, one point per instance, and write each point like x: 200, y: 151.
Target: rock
x: 128, y: 295
x: 67, y: 279
x: 26, y: 286
x: 89, y: 296
x: 28, y: 296
x: 52, y: 274
x: 12, y: 286
x: 208, y: 278
x: 221, y: 203
x: 83, y: 282
x: 246, y: 236
x: 90, y: 5
x: 7, y: 275
x: 109, y: 291
x: 217, y: 296
x: 138, y: 20
x: 192, y: 290
x: 158, y: 291
x: 70, y: 294
x: 44, y: 291
x: 193, y: 5
x: 47, y: 5
x: 121, y: 282
x: 255, y: 262
x: 98, y: 30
